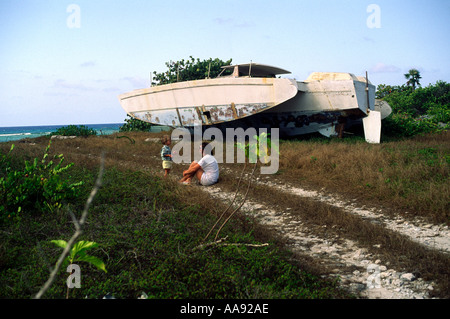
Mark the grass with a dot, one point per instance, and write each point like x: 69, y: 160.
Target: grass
x: 148, y: 227
x: 147, y: 239
x: 408, y: 175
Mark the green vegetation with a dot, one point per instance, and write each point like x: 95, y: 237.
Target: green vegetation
x: 135, y: 125
x: 149, y: 243
x: 190, y: 69
x: 413, y: 77
x: 416, y: 110
x: 78, y: 253
x: 37, y: 187
x: 74, y: 130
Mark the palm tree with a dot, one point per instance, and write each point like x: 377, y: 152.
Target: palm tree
x: 413, y: 77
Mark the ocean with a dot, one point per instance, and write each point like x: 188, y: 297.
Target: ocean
x: 8, y: 134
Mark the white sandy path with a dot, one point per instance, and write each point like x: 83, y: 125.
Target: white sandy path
x: 392, y: 284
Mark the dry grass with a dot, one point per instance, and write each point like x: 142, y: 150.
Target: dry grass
x: 407, y: 175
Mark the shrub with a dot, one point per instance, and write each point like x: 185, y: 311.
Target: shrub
x: 424, y: 110
x: 405, y: 125
x: 37, y: 186
x: 135, y: 125
x: 74, y: 130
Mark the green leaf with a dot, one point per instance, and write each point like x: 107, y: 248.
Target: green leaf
x: 44, y: 158
x: 60, y: 243
x: 93, y: 260
x: 80, y: 247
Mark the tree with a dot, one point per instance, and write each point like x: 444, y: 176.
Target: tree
x: 413, y: 77
x: 190, y: 69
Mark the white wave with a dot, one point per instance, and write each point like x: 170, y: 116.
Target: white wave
x: 15, y: 134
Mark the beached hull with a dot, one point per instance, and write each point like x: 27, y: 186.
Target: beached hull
x: 209, y: 102
x: 325, y: 103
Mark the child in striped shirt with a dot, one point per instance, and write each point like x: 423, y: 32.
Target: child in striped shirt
x: 166, y: 154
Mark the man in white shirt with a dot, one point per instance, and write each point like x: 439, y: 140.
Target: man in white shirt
x: 206, y: 170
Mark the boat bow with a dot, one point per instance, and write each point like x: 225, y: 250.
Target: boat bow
x: 209, y: 101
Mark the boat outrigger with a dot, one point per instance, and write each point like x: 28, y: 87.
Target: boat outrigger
x: 253, y: 96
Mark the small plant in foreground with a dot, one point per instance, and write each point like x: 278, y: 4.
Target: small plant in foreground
x: 78, y: 253
x: 37, y: 186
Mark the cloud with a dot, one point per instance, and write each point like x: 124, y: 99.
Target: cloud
x: 244, y: 24
x: 368, y: 39
x: 223, y: 21
x: 63, y: 84
x: 88, y: 64
x: 384, y: 68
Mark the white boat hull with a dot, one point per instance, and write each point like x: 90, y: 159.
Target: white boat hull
x: 325, y: 103
x: 211, y: 101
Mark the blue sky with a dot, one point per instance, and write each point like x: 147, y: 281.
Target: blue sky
x: 60, y: 65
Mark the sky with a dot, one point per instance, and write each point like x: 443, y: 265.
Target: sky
x: 66, y: 62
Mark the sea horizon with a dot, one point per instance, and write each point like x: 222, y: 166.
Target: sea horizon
x: 14, y: 133
x: 60, y: 125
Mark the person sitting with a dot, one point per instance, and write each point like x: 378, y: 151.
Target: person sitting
x: 206, y: 170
